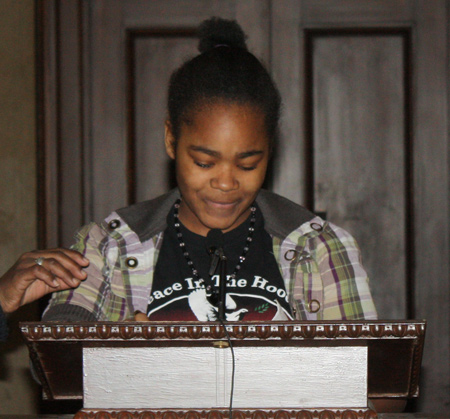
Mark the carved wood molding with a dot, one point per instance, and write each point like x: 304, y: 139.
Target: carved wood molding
x: 194, y: 331
x: 224, y: 414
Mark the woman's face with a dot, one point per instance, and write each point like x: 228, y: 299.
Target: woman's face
x: 221, y: 160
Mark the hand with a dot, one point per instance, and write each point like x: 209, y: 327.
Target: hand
x: 26, y: 281
x: 139, y: 316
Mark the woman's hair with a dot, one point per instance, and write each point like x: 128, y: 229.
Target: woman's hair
x: 224, y: 71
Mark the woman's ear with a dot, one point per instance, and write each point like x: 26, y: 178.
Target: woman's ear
x: 169, y: 140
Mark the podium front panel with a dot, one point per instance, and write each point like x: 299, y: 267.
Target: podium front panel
x: 201, y: 377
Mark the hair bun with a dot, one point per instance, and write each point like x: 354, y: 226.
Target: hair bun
x: 216, y: 32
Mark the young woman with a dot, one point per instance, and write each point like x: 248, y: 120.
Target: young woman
x: 283, y: 262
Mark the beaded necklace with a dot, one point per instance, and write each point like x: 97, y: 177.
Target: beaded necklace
x: 186, y: 255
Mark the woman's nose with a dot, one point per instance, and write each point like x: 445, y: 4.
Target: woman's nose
x: 224, y: 179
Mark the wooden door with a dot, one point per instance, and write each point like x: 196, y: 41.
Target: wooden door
x: 366, y: 143
x: 364, y: 85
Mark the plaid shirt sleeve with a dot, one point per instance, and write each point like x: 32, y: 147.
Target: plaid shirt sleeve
x: 346, y: 290
x: 324, y: 277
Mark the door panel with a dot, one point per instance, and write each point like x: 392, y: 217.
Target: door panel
x: 359, y: 149
x: 155, y: 59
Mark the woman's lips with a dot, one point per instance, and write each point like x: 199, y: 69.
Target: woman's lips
x: 221, y: 205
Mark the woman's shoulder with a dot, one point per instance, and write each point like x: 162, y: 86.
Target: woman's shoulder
x: 281, y: 215
x: 139, y: 222
x: 146, y: 218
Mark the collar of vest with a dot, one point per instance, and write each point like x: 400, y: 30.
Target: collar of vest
x: 281, y: 216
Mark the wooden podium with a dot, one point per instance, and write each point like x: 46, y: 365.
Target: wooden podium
x: 279, y: 370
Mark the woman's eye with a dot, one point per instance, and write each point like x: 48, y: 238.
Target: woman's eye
x: 247, y: 168
x: 203, y: 165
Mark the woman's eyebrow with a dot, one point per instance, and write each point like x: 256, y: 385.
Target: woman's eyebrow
x: 209, y: 152
x: 205, y: 150
x: 249, y: 153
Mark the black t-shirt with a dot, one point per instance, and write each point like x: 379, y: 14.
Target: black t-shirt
x: 257, y: 293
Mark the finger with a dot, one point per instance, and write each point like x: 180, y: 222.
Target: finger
x: 47, y: 278
x: 61, y: 272
x: 67, y: 259
x: 54, y: 275
x: 63, y: 261
x: 76, y: 256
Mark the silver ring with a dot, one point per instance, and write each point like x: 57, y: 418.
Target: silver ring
x: 40, y: 260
